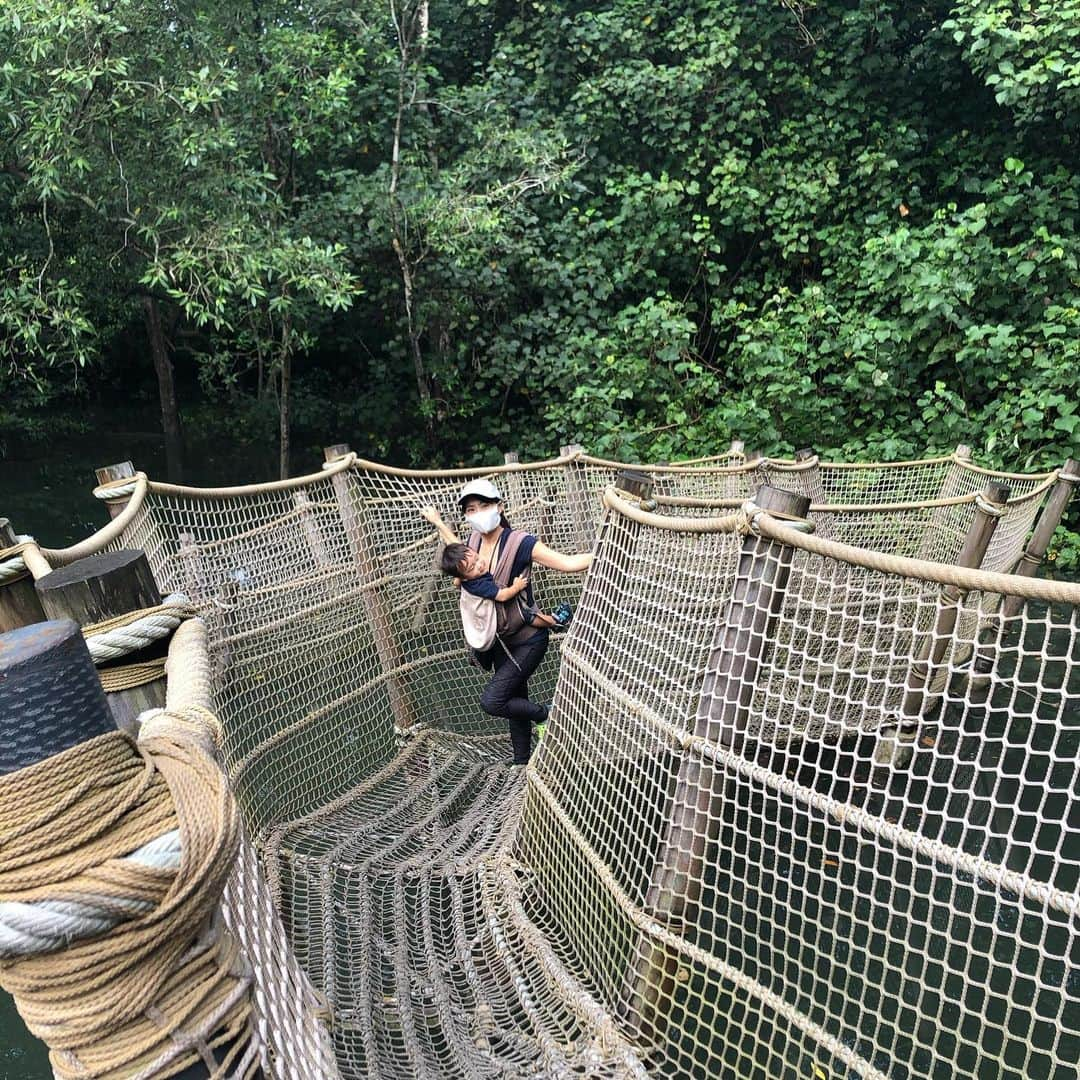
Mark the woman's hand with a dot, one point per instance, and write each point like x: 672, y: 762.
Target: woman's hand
x: 446, y: 534
x: 520, y: 583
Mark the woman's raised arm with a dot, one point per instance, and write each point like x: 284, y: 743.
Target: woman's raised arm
x: 556, y: 560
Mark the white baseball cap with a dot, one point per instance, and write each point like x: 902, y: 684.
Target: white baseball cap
x: 482, y: 489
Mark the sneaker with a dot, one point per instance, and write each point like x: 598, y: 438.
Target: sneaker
x: 541, y: 731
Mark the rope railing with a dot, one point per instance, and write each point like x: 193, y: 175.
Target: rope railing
x: 715, y: 842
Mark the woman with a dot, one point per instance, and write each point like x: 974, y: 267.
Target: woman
x: 514, y: 658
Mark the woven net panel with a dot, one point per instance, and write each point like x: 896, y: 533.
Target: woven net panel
x: 753, y: 904
x: 460, y: 919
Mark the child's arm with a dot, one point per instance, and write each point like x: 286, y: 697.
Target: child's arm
x: 446, y: 534
x: 518, y: 585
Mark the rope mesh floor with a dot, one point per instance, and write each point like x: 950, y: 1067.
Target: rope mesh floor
x: 840, y: 841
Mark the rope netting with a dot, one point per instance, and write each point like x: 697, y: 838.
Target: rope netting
x: 800, y: 810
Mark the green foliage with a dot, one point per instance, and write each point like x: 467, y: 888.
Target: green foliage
x: 1027, y: 51
x: 847, y: 224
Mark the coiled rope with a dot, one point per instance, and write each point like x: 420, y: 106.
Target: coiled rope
x: 88, y: 834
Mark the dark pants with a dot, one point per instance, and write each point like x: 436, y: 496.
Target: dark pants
x: 507, y: 691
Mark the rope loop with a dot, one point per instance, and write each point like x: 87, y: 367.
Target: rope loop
x: 749, y: 513
x: 134, y: 630
x: 108, y: 492
x: 12, y: 563
x: 995, y: 510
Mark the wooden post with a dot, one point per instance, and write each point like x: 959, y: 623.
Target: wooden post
x: 386, y: 644
x: 737, y: 448
x: 633, y: 482
x: 811, y: 486
x: 988, y: 511
x: 696, y: 803
x: 19, y: 604
x: 115, y: 476
x: 101, y: 587
x: 310, y: 525
x: 577, y: 498
x: 512, y: 488
x: 192, y: 569
x: 1052, y: 512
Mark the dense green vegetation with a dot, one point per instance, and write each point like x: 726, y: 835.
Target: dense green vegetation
x: 443, y: 230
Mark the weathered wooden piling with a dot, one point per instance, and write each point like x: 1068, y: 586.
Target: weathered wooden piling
x: 697, y: 796
x: 636, y: 483
x: 19, y: 604
x: 114, y: 482
x: 989, y: 508
x: 1049, y: 519
x: 309, y: 523
x: 511, y: 486
x: 102, y: 587
x: 578, y: 502
x: 1028, y: 566
x: 387, y: 646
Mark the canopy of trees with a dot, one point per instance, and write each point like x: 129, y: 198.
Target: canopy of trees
x: 447, y: 229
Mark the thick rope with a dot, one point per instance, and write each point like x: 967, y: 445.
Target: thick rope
x: 12, y: 562
x: 70, y: 827
x: 128, y: 676
x: 134, y: 630
x: 922, y: 569
x: 21, y: 559
x: 100, y: 540
x: 41, y: 926
x: 108, y: 492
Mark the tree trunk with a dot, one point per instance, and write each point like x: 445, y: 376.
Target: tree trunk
x: 283, y: 411
x: 170, y: 414
x: 412, y: 30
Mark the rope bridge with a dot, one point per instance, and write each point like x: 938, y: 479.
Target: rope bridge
x: 804, y: 807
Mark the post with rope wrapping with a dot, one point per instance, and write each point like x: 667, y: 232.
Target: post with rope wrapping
x: 809, y: 481
x: 1050, y: 518
x: 19, y: 604
x: 107, y: 888
x: 386, y: 644
x: 116, y: 484
x: 697, y: 796
x: 512, y: 489
x: 100, y: 589
x: 895, y: 744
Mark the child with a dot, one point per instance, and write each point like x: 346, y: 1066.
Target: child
x: 466, y: 566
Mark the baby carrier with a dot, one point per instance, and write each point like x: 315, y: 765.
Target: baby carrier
x: 484, y: 620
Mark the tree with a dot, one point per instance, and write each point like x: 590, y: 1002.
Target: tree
x: 204, y: 228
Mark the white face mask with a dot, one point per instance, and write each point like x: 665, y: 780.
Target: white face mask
x: 484, y: 521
